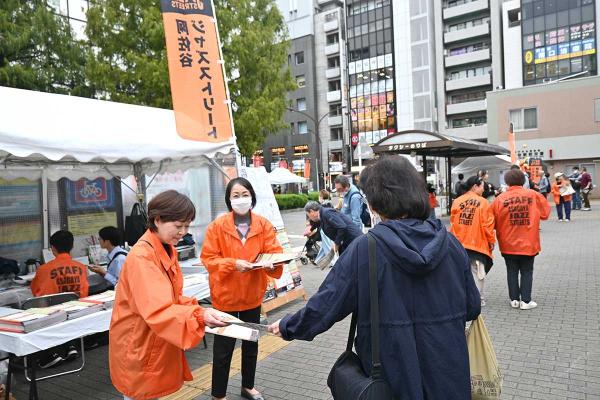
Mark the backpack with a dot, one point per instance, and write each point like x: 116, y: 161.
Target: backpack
x: 365, y: 215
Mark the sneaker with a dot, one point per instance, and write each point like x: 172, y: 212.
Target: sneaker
x: 560, y: 220
x: 482, y: 302
x: 586, y: 209
x: 567, y: 220
x: 514, y: 304
x: 528, y: 306
x: 72, y: 353
x: 50, y: 361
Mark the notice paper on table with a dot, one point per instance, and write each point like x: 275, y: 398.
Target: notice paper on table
x: 234, y: 331
x: 272, y: 259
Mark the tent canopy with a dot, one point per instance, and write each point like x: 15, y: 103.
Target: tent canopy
x: 425, y: 143
x: 488, y: 163
x: 281, y: 176
x: 76, y: 137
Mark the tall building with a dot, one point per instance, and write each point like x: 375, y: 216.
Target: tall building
x: 313, y: 144
x: 468, y: 53
x: 549, y: 40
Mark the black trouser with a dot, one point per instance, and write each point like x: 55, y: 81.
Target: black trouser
x: 586, y: 199
x: 524, y: 265
x: 223, y: 350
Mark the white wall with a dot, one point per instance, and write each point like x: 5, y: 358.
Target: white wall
x: 403, y: 65
x: 298, y: 15
x: 513, y: 67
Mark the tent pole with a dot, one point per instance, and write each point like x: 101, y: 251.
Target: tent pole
x: 45, y: 221
x: 141, y: 184
x: 448, y: 183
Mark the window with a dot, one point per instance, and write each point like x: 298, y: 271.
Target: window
x: 597, y: 110
x: 331, y: 16
x: 335, y: 134
x: 334, y: 85
x: 301, y: 104
x: 333, y: 38
x: 302, y: 128
x: 299, y: 58
x: 514, y: 17
x: 523, y: 118
x: 301, y: 81
x: 333, y: 62
x: 292, y: 128
x: 335, y: 109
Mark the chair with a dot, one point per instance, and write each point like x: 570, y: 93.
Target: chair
x: 30, y: 360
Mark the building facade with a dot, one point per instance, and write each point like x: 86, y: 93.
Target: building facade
x: 558, y: 122
x: 468, y: 51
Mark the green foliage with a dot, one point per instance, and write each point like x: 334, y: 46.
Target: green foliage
x: 313, y: 196
x: 290, y: 201
x: 38, y: 50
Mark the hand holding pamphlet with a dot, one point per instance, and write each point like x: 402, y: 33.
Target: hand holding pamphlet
x: 264, y: 259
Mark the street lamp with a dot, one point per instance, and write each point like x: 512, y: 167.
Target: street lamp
x: 316, y: 124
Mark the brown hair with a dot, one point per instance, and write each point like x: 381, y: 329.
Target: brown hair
x: 170, y: 206
x: 514, y: 177
x: 324, y: 194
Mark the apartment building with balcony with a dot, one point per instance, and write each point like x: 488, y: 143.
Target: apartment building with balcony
x: 469, y: 64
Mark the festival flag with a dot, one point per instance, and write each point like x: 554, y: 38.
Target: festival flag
x: 198, y: 86
x: 512, y: 145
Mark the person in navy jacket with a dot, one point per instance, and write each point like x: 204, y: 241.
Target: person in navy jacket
x: 336, y: 226
x: 426, y: 291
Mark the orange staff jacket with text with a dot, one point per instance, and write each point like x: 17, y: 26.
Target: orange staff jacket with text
x: 518, y: 212
x: 472, y: 222
x: 556, y: 193
x: 63, y: 274
x: 231, y: 290
x: 152, y: 323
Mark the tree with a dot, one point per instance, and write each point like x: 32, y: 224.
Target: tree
x: 129, y: 63
x: 38, y: 50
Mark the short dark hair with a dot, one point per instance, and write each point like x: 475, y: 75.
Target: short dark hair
x: 112, y: 234
x: 395, y: 189
x: 342, y: 180
x: 575, y: 167
x: 514, y: 177
x: 461, y: 177
x: 472, y: 181
x: 243, y: 182
x: 312, y: 206
x: 169, y: 206
x: 515, y: 167
x: 62, y: 241
x: 584, y: 169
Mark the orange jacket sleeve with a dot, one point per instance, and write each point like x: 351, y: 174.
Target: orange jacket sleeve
x: 37, y: 284
x: 182, y: 325
x: 487, y: 217
x: 543, y: 206
x: 212, y: 257
x: 272, y: 246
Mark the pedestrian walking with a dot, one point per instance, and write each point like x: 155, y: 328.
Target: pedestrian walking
x: 152, y: 322
x: 489, y: 190
x: 586, y: 187
x: 517, y: 215
x: 575, y: 180
x: 336, y: 226
x: 472, y: 222
x: 458, y: 186
x: 232, y: 243
x: 426, y: 291
x: 544, y: 183
x: 562, y: 192
x: 352, y: 200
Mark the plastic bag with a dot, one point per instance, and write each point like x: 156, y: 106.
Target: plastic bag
x: 486, y: 378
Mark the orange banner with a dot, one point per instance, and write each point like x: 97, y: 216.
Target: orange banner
x: 197, y: 80
x: 512, y: 145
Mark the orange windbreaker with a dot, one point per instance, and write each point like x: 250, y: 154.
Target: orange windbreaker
x: 231, y: 290
x: 152, y: 323
x: 472, y: 222
x: 556, y: 193
x: 63, y: 274
x: 518, y: 212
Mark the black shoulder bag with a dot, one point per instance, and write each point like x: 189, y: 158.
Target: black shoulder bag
x: 135, y: 224
x: 347, y: 379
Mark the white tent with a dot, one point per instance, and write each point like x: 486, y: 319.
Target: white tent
x: 281, y: 176
x: 75, y: 137
x: 47, y: 136
x: 489, y: 163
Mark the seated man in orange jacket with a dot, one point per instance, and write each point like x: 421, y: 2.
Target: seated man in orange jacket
x: 63, y: 274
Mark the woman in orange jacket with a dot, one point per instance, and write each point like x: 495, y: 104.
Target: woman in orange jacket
x: 561, y: 185
x: 232, y: 243
x: 472, y: 222
x: 152, y: 323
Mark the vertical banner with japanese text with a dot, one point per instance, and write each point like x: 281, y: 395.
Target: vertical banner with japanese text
x: 196, y: 72
x: 512, y: 145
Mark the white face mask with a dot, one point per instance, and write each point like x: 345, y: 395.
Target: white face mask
x: 241, y: 205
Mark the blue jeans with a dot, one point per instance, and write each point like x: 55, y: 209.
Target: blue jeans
x: 567, y: 207
x: 577, y: 200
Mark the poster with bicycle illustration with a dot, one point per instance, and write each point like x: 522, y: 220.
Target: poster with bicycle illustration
x: 86, y: 194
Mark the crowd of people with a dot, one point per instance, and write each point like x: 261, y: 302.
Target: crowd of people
x: 430, y: 279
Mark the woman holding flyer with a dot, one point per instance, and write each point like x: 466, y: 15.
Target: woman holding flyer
x: 232, y: 244
x: 152, y: 322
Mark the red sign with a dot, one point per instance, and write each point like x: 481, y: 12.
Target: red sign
x: 355, y: 139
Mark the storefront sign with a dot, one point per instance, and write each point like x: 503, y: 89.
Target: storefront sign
x: 196, y: 71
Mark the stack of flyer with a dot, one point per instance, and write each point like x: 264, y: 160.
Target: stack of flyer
x: 194, y: 279
x: 106, y: 299
x: 25, y: 321
x: 77, y: 309
x: 273, y: 259
x: 234, y: 331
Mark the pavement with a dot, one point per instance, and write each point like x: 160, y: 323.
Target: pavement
x: 551, y: 352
